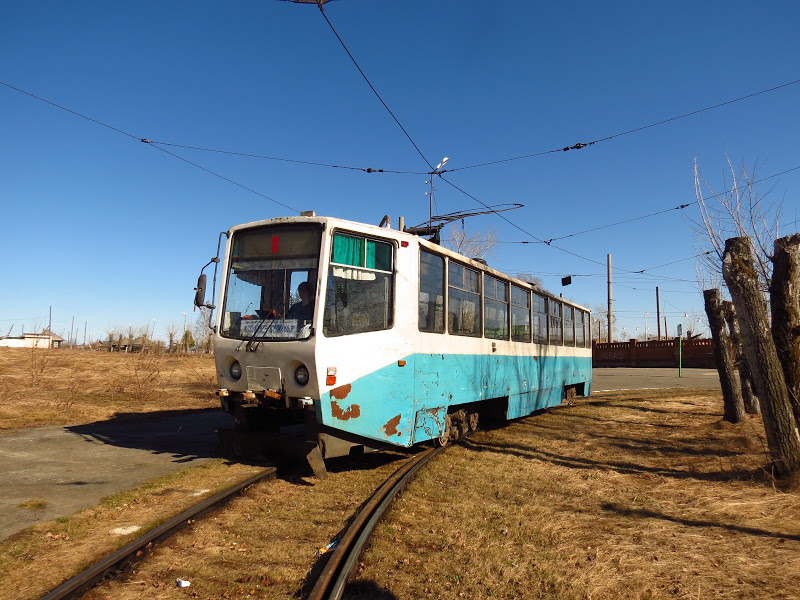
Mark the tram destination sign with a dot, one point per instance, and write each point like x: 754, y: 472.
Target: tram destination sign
x: 274, y: 328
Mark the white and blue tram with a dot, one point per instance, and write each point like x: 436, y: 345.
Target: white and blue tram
x: 371, y: 336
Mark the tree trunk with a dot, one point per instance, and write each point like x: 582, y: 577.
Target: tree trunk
x: 780, y: 426
x: 731, y: 393
x: 745, y: 377
x: 784, y: 294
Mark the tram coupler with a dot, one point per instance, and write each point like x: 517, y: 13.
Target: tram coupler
x: 268, y: 446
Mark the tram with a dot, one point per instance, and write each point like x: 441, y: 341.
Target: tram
x: 363, y: 336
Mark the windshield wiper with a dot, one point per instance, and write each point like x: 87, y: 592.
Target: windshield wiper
x: 252, y: 338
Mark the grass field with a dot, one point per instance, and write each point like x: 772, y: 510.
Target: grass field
x: 72, y: 387
x: 631, y: 495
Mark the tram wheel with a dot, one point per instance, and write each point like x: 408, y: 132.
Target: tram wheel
x: 445, y: 435
x: 473, y: 421
x: 571, y: 395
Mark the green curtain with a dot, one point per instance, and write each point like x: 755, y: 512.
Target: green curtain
x: 360, y: 252
x: 379, y: 256
x: 348, y: 250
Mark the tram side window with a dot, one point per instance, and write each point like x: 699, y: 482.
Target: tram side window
x: 587, y: 328
x: 580, y: 331
x: 360, y: 286
x: 556, y: 322
x: 431, y: 292
x: 539, y: 319
x: 569, y: 326
x: 520, y: 314
x: 463, y: 301
x: 495, y: 308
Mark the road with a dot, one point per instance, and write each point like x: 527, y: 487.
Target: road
x: 71, y: 468
x: 622, y: 378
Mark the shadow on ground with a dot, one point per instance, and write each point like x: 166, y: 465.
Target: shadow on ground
x: 187, y: 434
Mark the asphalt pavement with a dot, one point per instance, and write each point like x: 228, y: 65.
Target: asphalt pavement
x: 621, y: 378
x: 71, y: 468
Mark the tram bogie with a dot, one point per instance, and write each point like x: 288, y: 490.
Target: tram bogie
x: 366, y: 337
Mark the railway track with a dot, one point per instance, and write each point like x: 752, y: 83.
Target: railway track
x: 331, y: 582
x: 84, y: 581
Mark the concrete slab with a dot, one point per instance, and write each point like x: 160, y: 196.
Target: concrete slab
x: 71, y: 468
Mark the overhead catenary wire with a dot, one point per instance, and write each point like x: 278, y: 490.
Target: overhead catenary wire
x: 440, y: 172
x: 551, y: 245
x: 229, y: 180
x: 158, y: 144
x: 145, y: 140
x: 288, y: 160
x: 372, y: 87
x: 581, y: 145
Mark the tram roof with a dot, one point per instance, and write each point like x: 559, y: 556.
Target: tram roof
x: 384, y: 231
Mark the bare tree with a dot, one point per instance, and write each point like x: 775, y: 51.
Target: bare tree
x: 731, y: 392
x: 600, y: 323
x: 784, y: 294
x: 745, y: 377
x: 474, y: 244
x: 187, y: 341
x: 201, y: 332
x: 780, y: 424
x: 112, y: 333
x: 739, y: 210
x: 530, y: 278
x: 172, y: 332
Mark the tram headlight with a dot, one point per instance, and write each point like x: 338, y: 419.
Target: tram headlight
x: 235, y: 370
x: 301, y: 375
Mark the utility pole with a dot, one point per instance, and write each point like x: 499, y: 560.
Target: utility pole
x: 658, y: 312
x: 610, y: 305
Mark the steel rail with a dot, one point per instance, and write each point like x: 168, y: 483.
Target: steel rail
x: 96, y: 573
x: 331, y: 582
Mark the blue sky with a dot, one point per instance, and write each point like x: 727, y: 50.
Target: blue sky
x: 111, y: 231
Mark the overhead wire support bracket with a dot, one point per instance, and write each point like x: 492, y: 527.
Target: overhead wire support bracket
x: 434, y: 225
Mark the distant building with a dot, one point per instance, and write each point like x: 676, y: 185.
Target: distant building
x: 46, y: 339
x: 125, y: 344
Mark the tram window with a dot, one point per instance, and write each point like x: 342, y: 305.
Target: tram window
x: 569, y: 326
x: 580, y: 332
x: 359, y: 295
x: 539, y: 319
x: 520, y: 314
x: 495, y: 308
x: 463, y: 301
x: 361, y: 252
x: 556, y: 323
x: 587, y: 329
x: 431, y: 292
x: 267, y: 265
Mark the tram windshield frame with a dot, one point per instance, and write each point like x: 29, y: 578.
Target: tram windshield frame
x: 271, y: 285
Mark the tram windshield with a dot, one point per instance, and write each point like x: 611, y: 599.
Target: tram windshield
x: 271, y: 292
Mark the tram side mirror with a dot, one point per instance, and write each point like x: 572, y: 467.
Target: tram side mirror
x: 200, y: 291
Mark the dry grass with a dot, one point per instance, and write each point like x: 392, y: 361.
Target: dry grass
x: 70, y: 387
x: 263, y: 544
x: 621, y: 496
x: 624, y: 495
x: 40, y: 558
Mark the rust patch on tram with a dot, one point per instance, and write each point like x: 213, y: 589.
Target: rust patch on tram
x: 353, y: 411
x: 341, y: 392
x: 391, y: 427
